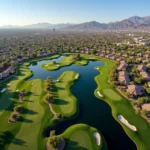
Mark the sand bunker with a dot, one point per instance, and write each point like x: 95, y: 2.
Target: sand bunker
x: 99, y: 94
x: 56, y: 80
x: 57, y: 65
x: 8, y: 84
x: 126, y: 123
x: 46, y: 65
x: 76, y: 76
x: 17, y: 90
x: 3, y: 90
x: 98, y: 138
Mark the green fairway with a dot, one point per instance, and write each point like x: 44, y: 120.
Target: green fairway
x: 122, y: 106
x: 111, y: 94
x: 28, y: 130
x: 81, y: 136
x: 30, y: 127
x: 65, y: 103
x: 6, y: 97
x: 66, y: 61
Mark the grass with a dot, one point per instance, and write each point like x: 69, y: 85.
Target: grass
x: 14, y: 136
x: 80, y: 136
x: 32, y: 120
x: 122, y: 106
x: 65, y: 103
x: 111, y: 94
x: 66, y: 61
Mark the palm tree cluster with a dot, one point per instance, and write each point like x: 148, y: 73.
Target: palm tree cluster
x: 48, y: 88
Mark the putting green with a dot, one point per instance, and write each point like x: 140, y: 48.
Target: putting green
x: 66, y: 61
x: 65, y: 103
x: 81, y: 136
x: 111, y: 94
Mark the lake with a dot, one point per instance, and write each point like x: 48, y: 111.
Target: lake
x: 93, y: 111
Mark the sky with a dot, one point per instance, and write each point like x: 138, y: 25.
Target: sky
x: 24, y: 12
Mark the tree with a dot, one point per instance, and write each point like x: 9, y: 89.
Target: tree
x: 148, y: 90
x: 142, y: 100
x: 144, y: 112
x: 93, y: 51
x: 59, y: 115
x: 54, y: 141
x: 18, y: 109
x: 14, y: 116
x: 49, y: 98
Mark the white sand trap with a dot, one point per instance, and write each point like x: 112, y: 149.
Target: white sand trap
x: 17, y: 90
x: 97, y: 68
x: 99, y: 94
x: 98, y: 138
x: 3, y: 90
x: 46, y: 65
x: 76, y: 76
x: 126, y: 123
x: 56, y: 80
x: 57, y: 65
x: 8, y: 84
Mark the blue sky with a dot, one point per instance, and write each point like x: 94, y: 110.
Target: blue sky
x: 23, y: 12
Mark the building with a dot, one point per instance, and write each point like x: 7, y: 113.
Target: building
x: 135, y: 90
x: 124, y: 78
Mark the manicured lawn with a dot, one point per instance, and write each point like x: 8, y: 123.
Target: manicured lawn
x: 28, y: 130
x: 123, y: 107
x: 80, y: 136
x: 6, y: 97
x: 31, y: 124
x: 65, y: 103
x: 66, y: 61
x: 111, y: 94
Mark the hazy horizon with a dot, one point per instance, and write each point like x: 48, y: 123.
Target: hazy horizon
x: 26, y: 12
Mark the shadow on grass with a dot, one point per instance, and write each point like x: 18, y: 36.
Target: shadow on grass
x: 72, y: 145
x: 24, y: 120
x: 29, y: 111
x: 60, y: 102
x: 7, y: 138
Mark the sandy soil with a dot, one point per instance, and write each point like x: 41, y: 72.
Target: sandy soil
x: 99, y: 94
x: 98, y: 138
x: 3, y: 90
x: 126, y: 123
x: 76, y: 76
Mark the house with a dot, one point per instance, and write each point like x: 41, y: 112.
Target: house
x: 102, y: 55
x: 147, y: 56
x: 122, y: 66
x: 4, y: 74
x: 148, y: 83
x: 147, y: 60
x: 135, y: 90
x: 139, y: 59
x: 113, y: 57
x: 141, y: 68
x: 145, y: 75
x: 146, y: 107
x: 118, y: 59
x: 107, y: 56
x: 124, y: 78
x: 11, y: 69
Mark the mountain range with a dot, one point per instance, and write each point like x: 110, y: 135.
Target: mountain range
x: 132, y: 23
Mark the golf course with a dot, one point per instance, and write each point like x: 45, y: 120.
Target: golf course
x: 29, y: 131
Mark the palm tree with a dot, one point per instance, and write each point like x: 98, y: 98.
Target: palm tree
x: 14, y: 116
x: 18, y: 109
x: 54, y: 141
x: 49, y: 99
